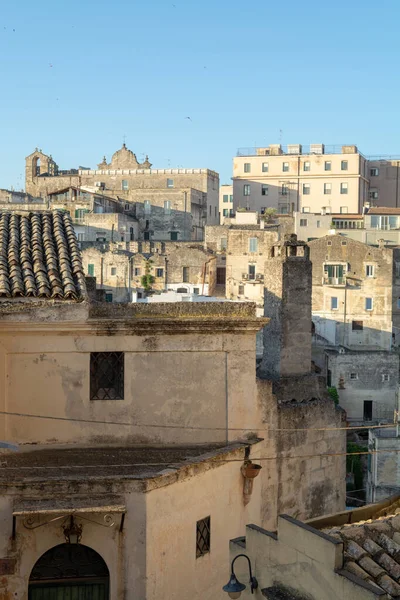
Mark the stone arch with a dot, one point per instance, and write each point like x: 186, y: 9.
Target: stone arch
x: 36, y: 166
x: 70, y: 569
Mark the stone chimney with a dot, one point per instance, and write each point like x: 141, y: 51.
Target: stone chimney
x: 287, y: 302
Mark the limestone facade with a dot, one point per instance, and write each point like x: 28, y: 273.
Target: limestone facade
x: 119, y: 268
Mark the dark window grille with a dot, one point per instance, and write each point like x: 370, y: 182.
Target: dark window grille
x: 203, y: 537
x: 107, y: 376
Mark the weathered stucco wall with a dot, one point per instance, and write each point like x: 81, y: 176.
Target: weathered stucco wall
x: 175, y: 373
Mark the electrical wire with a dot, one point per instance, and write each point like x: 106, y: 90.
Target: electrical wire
x: 197, y: 427
x: 182, y: 462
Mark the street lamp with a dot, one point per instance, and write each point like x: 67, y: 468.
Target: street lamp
x: 73, y: 532
x: 234, y: 588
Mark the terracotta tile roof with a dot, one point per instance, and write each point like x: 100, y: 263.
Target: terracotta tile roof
x: 384, y: 210
x: 39, y: 256
x: 348, y: 216
x: 372, y: 550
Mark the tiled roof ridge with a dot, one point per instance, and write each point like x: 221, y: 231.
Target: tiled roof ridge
x: 372, y: 551
x: 39, y: 256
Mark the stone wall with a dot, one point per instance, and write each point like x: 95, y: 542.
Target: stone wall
x: 360, y: 377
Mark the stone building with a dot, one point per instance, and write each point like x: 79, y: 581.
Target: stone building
x: 336, y: 179
x: 351, y: 555
x: 383, y: 478
x: 353, y: 296
x: 138, y: 424
x: 119, y: 268
x: 300, y: 178
x: 172, y: 204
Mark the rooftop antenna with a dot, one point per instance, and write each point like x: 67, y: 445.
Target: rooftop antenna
x: 280, y: 136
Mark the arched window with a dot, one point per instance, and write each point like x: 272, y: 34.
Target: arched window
x: 182, y: 290
x: 69, y: 571
x: 36, y: 166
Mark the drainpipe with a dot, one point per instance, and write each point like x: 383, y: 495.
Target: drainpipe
x: 101, y: 272
x: 344, y: 314
x: 166, y: 274
x: 129, y: 277
x: 397, y: 184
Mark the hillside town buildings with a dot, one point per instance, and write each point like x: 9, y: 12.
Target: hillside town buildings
x: 126, y: 408
x: 351, y: 555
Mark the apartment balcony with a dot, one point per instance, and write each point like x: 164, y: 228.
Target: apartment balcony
x: 336, y: 281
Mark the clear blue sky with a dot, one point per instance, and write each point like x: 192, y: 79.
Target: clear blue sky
x: 78, y: 75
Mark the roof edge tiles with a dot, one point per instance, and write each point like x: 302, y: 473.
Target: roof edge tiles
x: 40, y: 257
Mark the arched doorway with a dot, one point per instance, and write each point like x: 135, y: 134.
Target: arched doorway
x: 69, y: 571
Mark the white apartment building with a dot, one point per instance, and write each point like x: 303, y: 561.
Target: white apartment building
x: 225, y: 202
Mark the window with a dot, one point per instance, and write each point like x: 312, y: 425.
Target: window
x: 125, y: 184
x: 91, y: 270
x: 334, y: 274
x: 203, y: 537
x: 385, y: 377
x: 373, y: 194
x: 246, y: 189
x: 247, y: 167
x: 159, y: 272
x: 113, y: 271
x: 127, y: 206
x: 369, y: 303
x: 81, y: 237
x: 285, y: 167
x: 223, y: 243
x: 167, y: 207
x: 215, y: 211
x: 210, y: 210
x: 334, y: 303
x: 343, y: 188
x: 252, y: 271
x: 253, y: 245
x: 303, y: 222
x: 398, y: 302
x: 328, y: 165
x: 344, y: 243
x: 241, y: 290
x: 147, y: 207
x: 231, y: 198
x: 137, y: 271
x: 374, y: 172
x: 357, y: 325
x: 170, y: 183
x: 146, y: 235
x: 343, y: 210
x: 327, y: 188
x: 369, y: 270
x: 106, y: 375
x: 225, y: 212
x: 264, y: 167
x: 367, y: 410
x: 318, y: 224
x: 353, y: 376
x: 305, y: 209
x: 174, y: 236
x: 306, y: 189
x: 264, y: 190
x: 109, y: 297
x: 226, y: 198
x: 185, y: 274
x: 344, y: 165
x: 307, y: 165
x: 284, y: 190
x: 196, y: 291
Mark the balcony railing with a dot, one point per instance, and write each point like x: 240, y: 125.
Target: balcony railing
x: 334, y: 280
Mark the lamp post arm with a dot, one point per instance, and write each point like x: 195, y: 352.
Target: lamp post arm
x: 253, y: 580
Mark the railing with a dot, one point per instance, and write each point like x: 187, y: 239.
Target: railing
x: 334, y: 280
x: 333, y: 149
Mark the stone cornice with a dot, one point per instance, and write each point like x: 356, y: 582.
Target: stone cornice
x: 159, y: 326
